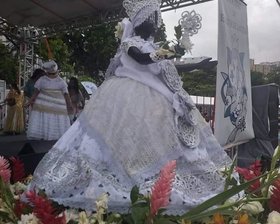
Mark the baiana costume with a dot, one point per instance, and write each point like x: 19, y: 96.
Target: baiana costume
x: 49, y: 118
x: 14, y: 122
x: 139, y: 119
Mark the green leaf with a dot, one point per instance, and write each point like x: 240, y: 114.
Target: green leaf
x: 178, y: 32
x: 5, y: 216
x: 6, y: 193
x: 127, y: 219
x: 139, y: 213
x: 114, y: 218
x: 220, y: 198
x: 229, y: 179
x: 134, y: 194
x: 163, y: 220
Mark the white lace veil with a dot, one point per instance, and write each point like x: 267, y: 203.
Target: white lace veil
x: 142, y: 10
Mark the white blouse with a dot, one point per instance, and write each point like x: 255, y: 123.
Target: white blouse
x: 146, y: 74
x: 51, y: 83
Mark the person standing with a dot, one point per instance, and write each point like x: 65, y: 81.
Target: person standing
x: 29, y: 90
x: 50, y: 104
x: 14, y: 123
x: 29, y: 86
x: 77, y: 99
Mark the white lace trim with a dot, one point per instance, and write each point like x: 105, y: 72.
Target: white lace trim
x: 185, y: 108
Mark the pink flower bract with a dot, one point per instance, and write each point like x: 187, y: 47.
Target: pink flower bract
x: 162, y: 188
x: 274, y: 202
x: 5, y: 171
x: 250, y: 173
x: 43, y: 209
x: 18, y: 171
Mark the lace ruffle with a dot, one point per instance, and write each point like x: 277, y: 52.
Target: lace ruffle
x: 186, y: 110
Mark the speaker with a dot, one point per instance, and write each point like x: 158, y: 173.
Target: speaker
x: 26, y: 149
x: 32, y: 152
x: 30, y: 161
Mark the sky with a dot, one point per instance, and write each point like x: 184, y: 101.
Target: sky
x: 263, y: 26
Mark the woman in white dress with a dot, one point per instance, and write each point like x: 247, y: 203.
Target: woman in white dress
x: 49, y: 119
x: 139, y: 119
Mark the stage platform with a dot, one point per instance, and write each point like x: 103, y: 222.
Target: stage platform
x: 29, y: 151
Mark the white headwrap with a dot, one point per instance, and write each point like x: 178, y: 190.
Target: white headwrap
x: 50, y: 67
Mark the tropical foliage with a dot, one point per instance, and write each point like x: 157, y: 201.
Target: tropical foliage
x: 256, y: 199
x: 8, y: 64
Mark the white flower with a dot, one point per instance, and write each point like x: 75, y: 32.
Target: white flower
x: 18, y: 188
x: 102, y: 201
x: 276, y: 153
x: 254, y: 207
x: 172, y: 48
x: 186, y: 43
x: 119, y: 30
x: 71, y: 215
x: 83, y: 218
x: 164, y: 52
x: 273, y: 218
x: 28, y: 219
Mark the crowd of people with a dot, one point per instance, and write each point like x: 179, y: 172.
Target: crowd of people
x: 51, y: 104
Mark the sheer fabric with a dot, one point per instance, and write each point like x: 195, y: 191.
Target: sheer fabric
x: 136, y: 122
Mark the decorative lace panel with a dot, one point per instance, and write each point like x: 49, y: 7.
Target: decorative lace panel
x: 114, y: 64
x: 187, y: 133
x: 188, y: 106
x: 147, y: 14
x: 64, y: 174
x: 139, y: 11
x: 170, y: 75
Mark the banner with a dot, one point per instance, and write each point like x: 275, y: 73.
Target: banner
x: 233, y: 112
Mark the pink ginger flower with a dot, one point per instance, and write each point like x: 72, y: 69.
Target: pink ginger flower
x: 274, y: 202
x: 18, y: 171
x: 162, y: 188
x: 5, y: 171
x: 44, y: 210
x: 250, y: 173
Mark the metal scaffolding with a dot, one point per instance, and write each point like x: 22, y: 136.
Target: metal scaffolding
x: 26, y: 55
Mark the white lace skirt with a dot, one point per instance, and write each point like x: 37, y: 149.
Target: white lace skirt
x: 48, y: 120
x: 123, y: 137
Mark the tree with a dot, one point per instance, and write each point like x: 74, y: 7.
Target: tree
x: 274, y: 76
x: 8, y: 64
x: 200, y: 83
x: 92, y: 49
x: 58, y: 51
x: 257, y: 78
x: 160, y: 34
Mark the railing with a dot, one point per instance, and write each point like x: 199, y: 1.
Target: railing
x: 3, y: 111
x: 206, y: 106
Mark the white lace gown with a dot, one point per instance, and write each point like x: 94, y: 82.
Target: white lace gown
x: 128, y: 131
x: 48, y: 119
